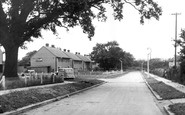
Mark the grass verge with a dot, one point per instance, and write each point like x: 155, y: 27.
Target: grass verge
x: 178, y: 109
x: 163, y: 90
x: 18, y: 99
x: 103, y: 76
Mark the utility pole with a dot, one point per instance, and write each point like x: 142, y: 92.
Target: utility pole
x: 148, y: 60
x: 176, y: 14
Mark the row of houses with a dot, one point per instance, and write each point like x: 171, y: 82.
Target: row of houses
x: 50, y: 59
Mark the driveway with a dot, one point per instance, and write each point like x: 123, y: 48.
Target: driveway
x: 126, y: 95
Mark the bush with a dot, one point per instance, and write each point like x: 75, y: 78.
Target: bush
x: 159, y: 72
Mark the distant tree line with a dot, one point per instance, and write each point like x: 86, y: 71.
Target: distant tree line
x: 154, y: 64
x: 109, y: 56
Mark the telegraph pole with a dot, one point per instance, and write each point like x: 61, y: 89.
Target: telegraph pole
x: 148, y: 60
x: 176, y: 14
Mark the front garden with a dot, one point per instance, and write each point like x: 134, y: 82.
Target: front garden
x: 31, y: 95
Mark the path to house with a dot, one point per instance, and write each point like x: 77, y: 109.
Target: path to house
x: 127, y: 95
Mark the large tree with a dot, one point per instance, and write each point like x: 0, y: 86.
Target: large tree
x: 181, y: 43
x: 22, y: 20
x: 109, y: 56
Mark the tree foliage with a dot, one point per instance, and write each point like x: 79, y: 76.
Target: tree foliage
x: 181, y: 43
x: 25, y: 61
x: 22, y: 20
x: 157, y: 63
x: 110, y: 55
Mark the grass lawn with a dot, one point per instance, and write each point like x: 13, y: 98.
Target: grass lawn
x: 103, y: 76
x: 163, y: 90
x: 178, y: 109
x: 18, y: 99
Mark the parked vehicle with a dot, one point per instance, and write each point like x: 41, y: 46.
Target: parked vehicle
x: 67, y: 72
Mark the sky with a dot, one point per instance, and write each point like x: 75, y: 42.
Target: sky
x: 129, y: 33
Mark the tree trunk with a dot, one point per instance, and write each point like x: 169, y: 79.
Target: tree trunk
x: 10, y: 69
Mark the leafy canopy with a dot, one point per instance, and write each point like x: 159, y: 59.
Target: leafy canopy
x: 25, y: 61
x: 109, y: 55
x: 25, y: 18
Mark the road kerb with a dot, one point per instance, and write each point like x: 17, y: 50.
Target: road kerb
x: 167, y: 109
x: 33, y: 106
x: 153, y: 92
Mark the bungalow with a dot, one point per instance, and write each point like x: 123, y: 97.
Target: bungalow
x: 49, y: 59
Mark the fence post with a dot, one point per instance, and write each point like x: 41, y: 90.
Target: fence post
x: 54, y: 77
x: 25, y: 80
x: 36, y: 77
x: 3, y: 80
x: 41, y: 78
x: 30, y: 76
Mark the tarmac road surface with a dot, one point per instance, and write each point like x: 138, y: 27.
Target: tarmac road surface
x: 126, y: 95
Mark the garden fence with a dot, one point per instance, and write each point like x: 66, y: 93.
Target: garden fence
x: 40, y: 78
x: 2, y: 81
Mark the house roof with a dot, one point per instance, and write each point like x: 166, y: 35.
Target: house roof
x: 57, y: 52
x: 64, y: 54
x: 73, y: 56
x: 84, y: 58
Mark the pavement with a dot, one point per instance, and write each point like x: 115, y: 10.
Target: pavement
x: 166, y: 103
x: 126, y: 95
x: 173, y: 84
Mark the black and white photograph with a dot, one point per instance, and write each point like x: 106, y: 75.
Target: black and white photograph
x: 92, y: 57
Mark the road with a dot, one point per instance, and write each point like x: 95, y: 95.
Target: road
x: 126, y: 95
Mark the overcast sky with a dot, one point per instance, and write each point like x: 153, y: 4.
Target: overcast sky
x: 129, y: 33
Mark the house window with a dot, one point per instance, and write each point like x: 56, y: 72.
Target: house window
x: 39, y: 60
x: 60, y: 59
x: 66, y: 60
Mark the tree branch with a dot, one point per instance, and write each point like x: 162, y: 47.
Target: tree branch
x: 27, y: 7
x: 35, y: 24
x: 132, y: 5
x: 3, y: 24
x: 2, y: 16
x: 96, y: 7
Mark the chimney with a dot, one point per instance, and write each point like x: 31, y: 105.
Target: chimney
x: 65, y: 50
x: 58, y: 48
x: 53, y: 46
x: 68, y: 50
x: 76, y: 53
x: 47, y: 45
